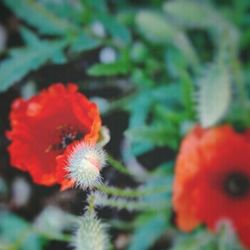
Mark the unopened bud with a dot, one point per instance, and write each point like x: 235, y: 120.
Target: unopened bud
x: 91, y: 234
x: 85, y: 163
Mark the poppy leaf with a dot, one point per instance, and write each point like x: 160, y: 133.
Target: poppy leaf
x: 155, y: 134
x: 227, y: 239
x: 29, y: 37
x: 115, y: 28
x: 14, y: 229
x: 83, y: 42
x: 151, y: 227
x: 39, y: 17
x: 109, y: 69
x: 200, y: 241
x: 24, y: 60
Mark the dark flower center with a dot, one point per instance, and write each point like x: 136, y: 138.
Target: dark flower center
x: 67, y: 135
x: 69, y: 138
x: 236, y: 185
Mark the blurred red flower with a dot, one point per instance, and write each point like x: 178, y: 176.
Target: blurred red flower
x: 212, y: 180
x: 44, y: 126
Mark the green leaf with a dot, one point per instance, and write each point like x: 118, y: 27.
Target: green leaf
x: 39, y: 17
x: 97, y: 5
x: 224, y: 239
x: 145, y: 137
x: 187, y: 93
x: 17, y: 232
x: 227, y: 239
x: 140, y: 78
x: 109, y: 69
x: 139, y: 52
x: 24, y: 60
x: 139, y: 108
x: 83, y: 43
x: 175, y: 62
x: 160, y: 179
x: 115, y: 28
x: 156, y: 134
x: 170, y: 94
x: 150, y: 229
x: 199, y: 241
x: 67, y: 10
x: 214, y: 94
x: 29, y: 37
x: 166, y: 115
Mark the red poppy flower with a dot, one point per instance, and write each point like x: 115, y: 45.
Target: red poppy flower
x: 44, y: 126
x: 212, y: 180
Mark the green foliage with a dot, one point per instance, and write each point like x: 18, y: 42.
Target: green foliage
x: 24, y: 60
x: 72, y: 13
x: 157, y: 135
x: 144, y: 237
x: 108, y: 69
x: 15, y: 233
x: 120, y: 67
x: 39, y: 17
x: 83, y: 43
x: 98, y: 5
x: 115, y: 28
x: 225, y: 239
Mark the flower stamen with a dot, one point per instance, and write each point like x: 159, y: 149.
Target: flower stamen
x: 236, y: 185
x: 67, y: 135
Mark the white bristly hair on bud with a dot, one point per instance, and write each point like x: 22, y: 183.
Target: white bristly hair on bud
x: 91, y: 234
x: 84, y: 165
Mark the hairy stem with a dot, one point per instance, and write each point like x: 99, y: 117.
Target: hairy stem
x: 130, y: 205
x: 117, y: 165
x: 130, y: 193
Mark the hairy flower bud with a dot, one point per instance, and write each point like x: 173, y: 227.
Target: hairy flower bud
x: 91, y: 234
x: 84, y: 165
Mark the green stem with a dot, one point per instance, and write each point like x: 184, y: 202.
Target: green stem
x: 91, y: 201
x: 130, y: 193
x: 130, y: 205
x: 240, y: 83
x: 119, y: 104
x: 117, y: 165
